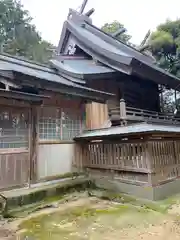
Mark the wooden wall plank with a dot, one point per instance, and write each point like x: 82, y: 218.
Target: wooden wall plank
x: 13, y: 169
x: 96, y: 115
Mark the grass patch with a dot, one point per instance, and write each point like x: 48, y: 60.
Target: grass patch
x: 127, y: 199
x: 83, y: 212
x: 85, y: 218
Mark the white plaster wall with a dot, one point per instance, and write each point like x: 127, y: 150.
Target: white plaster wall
x: 54, y: 159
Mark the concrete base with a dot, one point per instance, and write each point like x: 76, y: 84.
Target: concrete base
x: 38, y: 192
x: 147, y: 192
x: 166, y: 190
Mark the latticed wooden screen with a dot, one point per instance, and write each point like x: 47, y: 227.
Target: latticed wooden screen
x: 13, y: 128
x: 134, y: 160
x: 59, y: 124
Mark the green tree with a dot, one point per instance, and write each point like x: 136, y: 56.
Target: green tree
x: 18, y: 36
x: 165, y: 46
x: 113, y: 27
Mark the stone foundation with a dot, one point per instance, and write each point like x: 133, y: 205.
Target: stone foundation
x: 140, y: 190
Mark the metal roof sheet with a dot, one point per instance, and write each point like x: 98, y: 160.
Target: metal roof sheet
x: 85, y: 66
x: 117, y: 47
x: 98, y: 44
x: 112, y: 52
x: 38, y: 73
x: 30, y: 69
x: 25, y: 62
x: 125, y: 48
x: 80, y: 67
x: 127, y: 130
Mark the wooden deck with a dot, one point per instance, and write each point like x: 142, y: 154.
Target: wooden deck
x: 140, y: 115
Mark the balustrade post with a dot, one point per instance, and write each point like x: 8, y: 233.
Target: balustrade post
x: 123, y: 116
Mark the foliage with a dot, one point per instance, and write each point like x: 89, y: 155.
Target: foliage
x: 165, y: 46
x: 113, y: 27
x: 168, y: 103
x: 18, y: 36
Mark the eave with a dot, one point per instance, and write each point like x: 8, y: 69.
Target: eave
x: 140, y: 129
x: 82, y: 69
x: 17, y: 95
x: 155, y: 74
x: 41, y: 76
x: 72, y: 89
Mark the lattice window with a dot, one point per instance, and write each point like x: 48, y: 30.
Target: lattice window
x: 59, y: 124
x: 13, y: 128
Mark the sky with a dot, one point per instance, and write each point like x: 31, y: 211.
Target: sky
x: 138, y: 16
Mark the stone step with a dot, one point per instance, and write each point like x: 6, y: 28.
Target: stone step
x: 25, y: 196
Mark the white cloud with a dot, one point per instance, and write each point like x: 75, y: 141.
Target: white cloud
x: 137, y: 16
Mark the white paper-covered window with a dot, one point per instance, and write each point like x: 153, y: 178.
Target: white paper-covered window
x: 59, y: 124
x: 14, y: 128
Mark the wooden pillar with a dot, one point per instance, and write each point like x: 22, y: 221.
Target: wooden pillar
x: 175, y: 96
x: 123, y: 116
x: 149, y: 161
x: 96, y: 115
x: 33, y: 142
x: 161, y: 99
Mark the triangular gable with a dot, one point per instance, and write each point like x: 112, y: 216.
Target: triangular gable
x: 78, y: 22
x: 78, y: 32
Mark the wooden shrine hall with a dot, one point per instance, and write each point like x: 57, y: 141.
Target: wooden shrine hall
x: 129, y: 143
x: 96, y: 107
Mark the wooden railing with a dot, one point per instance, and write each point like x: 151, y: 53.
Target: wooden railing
x: 134, y: 161
x: 136, y: 114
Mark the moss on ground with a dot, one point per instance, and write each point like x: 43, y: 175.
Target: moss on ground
x: 81, y: 219
x: 68, y: 194
x: 124, y: 199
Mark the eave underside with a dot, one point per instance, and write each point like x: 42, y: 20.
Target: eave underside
x: 18, y: 95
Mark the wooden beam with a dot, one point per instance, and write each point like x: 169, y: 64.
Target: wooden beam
x: 119, y: 32
x: 21, y: 96
x: 8, y: 83
x: 90, y: 12
x: 83, y: 6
